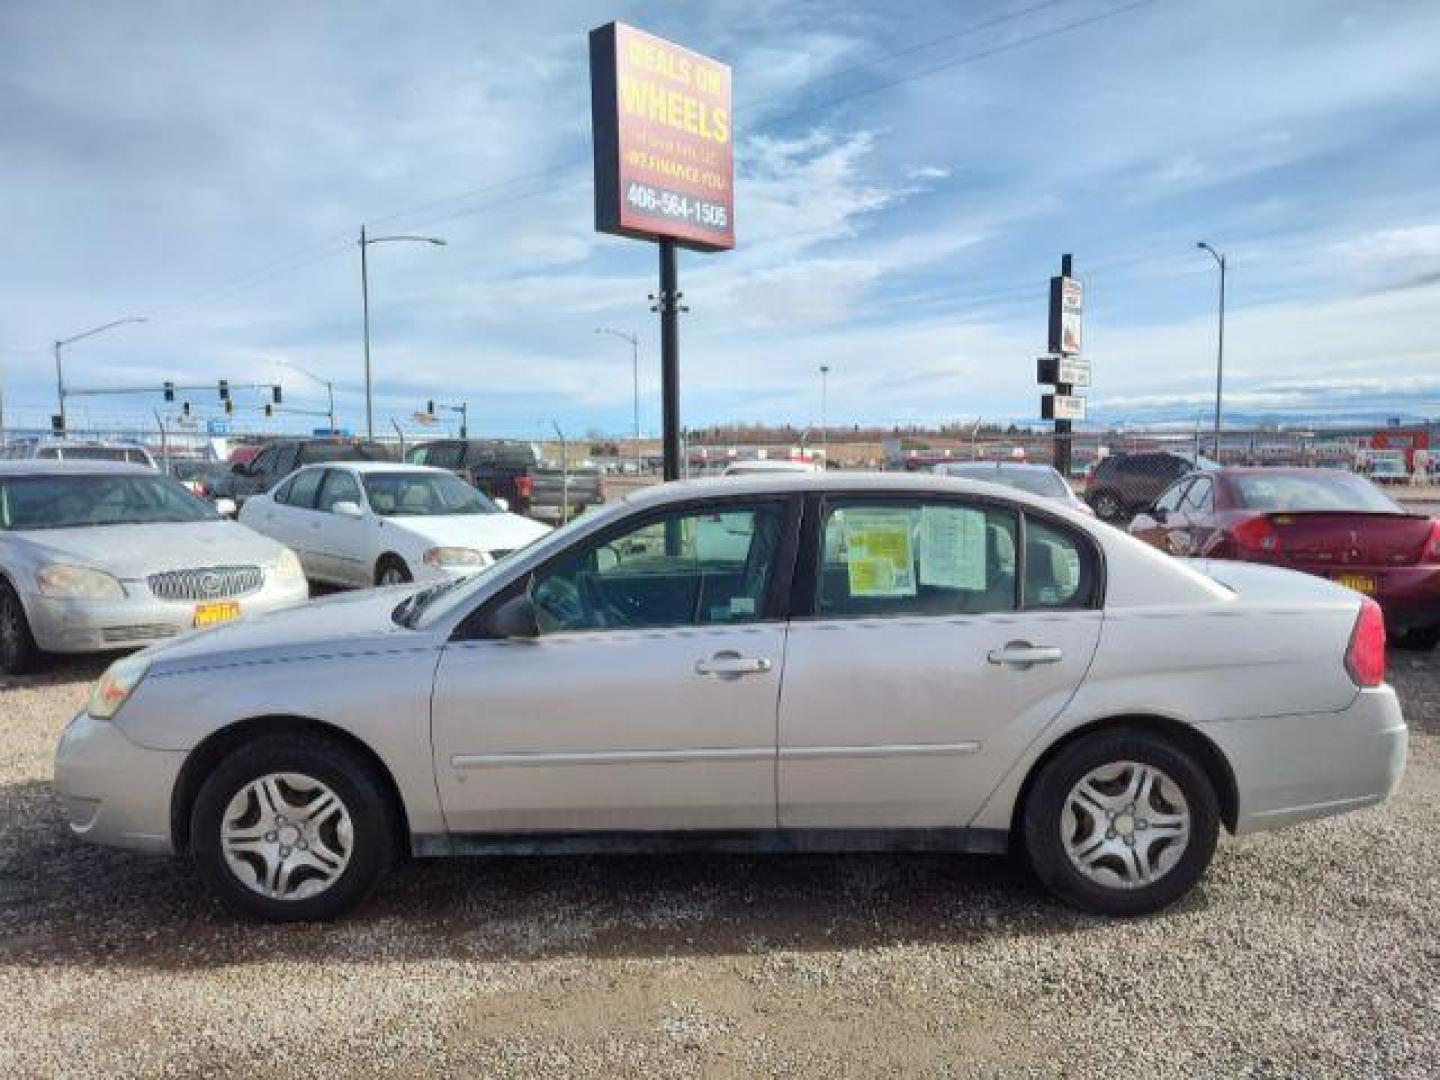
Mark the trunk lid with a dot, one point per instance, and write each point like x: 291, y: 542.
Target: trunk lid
x: 1350, y: 538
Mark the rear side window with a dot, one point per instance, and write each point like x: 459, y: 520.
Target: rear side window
x: 1060, y: 569
x: 444, y: 455
x: 915, y: 559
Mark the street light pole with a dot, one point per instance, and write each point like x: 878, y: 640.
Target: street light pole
x: 1220, y: 347
x: 329, y: 387
x: 365, y: 242
x: 634, y: 340
x: 59, y: 364
x: 824, y: 426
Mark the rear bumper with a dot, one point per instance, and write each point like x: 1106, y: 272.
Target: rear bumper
x: 115, y: 792
x: 75, y: 626
x: 1297, y: 768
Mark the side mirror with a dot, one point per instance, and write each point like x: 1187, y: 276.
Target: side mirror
x: 503, y: 504
x: 515, y: 618
x: 226, y: 507
x: 346, y: 508
x: 1159, y: 513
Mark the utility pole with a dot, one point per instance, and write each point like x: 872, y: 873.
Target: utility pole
x: 634, y: 340
x: 824, y: 428
x: 59, y: 363
x: 464, y: 410
x: 1220, y: 346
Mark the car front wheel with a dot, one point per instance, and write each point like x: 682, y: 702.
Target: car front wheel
x: 17, y: 645
x: 292, y: 827
x: 1121, y: 822
x: 1107, y: 506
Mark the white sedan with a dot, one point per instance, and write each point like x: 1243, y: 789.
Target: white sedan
x: 365, y: 523
x: 886, y: 663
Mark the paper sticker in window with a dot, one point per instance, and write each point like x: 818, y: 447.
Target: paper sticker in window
x: 952, y: 548
x: 878, y: 553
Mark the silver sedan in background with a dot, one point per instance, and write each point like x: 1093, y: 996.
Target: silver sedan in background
x: 97, y: 556
x: 1042, y: 480
x: 789, y: 663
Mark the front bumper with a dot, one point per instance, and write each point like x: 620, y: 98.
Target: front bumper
x: 1297, y: 768
x: 115, y: 792
x: 75, y: 626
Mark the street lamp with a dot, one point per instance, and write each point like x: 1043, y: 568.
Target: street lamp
x: 59, y: 365
x: 635, y: 367
x: 824, y: 427
x: 1220, y: 348
x: 365, y: 242
x: 329, y: 386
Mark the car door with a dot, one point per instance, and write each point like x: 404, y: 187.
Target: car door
x: 288, y: 516
x: 1193, y: 528
x: 647, y: 701
x: 343, y: 543
x: 1154, y: 524
x: 935, y: 638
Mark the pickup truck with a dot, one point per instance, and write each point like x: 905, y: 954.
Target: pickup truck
x: 515, y: 471
x: 277, y: 460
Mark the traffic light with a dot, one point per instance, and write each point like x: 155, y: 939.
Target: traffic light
x: 169, y: 391
x: 57, y: 423
x: 225, y: 390
x: 229, y: 405
x: 185, y: 409
x: 269, y: 409
x: 430, y: 407
x: 275, y: 393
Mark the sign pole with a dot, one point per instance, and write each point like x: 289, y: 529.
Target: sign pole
x: 1061, y: 452
x: 668, y: 301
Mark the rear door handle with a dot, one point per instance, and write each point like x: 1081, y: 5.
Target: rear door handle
x: 1021, y: 654
x: 727, y: 665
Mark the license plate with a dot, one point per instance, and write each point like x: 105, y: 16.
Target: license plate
x: 217, y: 612
x: 1361, y: 583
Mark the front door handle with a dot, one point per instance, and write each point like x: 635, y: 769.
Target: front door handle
x: 1021, y: 655
x: 730, y: 665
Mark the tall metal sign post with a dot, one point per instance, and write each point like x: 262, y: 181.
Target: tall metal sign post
x: 1063, y: 369
x: 664, y: 171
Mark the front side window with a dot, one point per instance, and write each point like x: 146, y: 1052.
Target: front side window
x: 687, y: 568
x: 1198, y: 498
x: 339, y: 487
x: 1170, y: 501
x: 916, y: 558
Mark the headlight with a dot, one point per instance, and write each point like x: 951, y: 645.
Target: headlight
x: 453, y: 556
x: 78, y: 583
x: 116, y: 685
x: 287, y: 567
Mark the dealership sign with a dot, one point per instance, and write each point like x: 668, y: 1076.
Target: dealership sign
x: 1066, y: 305
x: 1062, y: 370
x: 664, y: 158
x: 1062, y: 407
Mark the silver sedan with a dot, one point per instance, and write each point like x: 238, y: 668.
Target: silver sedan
x: 790, y: 663
x: 97, y: 556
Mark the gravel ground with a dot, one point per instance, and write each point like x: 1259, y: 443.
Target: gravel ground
x: 1305, y: 953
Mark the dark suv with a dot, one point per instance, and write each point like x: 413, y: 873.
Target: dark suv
x: 277, y: 460
x: 1124, y: 483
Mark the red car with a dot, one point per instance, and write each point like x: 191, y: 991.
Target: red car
x: 1322, y: 521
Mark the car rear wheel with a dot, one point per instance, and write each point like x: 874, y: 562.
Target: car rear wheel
x: 1122, y: 822
x: 1107, y: 506
x: 391, y: 570
x: 17, y: 645
x: 1420, y: 639
x: 292, y: 827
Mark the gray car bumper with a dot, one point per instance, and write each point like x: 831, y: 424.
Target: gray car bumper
x: 73, y: 626
x: 115, y: 792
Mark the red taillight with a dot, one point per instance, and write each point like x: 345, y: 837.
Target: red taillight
x: 1431, y: 551
x: 1365, y: 656
x: 524, y: 486
x: 1256, y: 535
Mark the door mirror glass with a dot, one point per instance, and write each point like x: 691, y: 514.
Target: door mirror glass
x: 348, y: 509
x: 503, y: 504
x: 515, y: 618
x: 1159, y: 513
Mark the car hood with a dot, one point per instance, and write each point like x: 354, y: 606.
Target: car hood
x: 484, y: 532
x: 131, y: 552
x: 342, y: 622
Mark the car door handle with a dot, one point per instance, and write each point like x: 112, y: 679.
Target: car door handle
x: 1021, y: 654
x: 727, y: 665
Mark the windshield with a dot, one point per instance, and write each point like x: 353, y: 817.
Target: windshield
x: 74, y: 502
x: 407, y: 494
x: 1311, y: 491
x: 1043, y: 482
x: 310, y: 453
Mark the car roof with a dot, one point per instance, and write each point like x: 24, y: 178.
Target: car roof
x: 377, y: 466
x: 42, y: 466
x: 861, y: 482
x: 1035, y: 466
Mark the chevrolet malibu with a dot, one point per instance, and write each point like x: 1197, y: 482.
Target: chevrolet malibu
x: 887, y: 663
x: 97, y: 556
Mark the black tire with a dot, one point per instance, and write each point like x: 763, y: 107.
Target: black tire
x: 18, y: 652
x: 1419, y: 639
x: 353, y: 781
x: 392, y: 564
x: 1044, y: 815
x: 1107, y: 505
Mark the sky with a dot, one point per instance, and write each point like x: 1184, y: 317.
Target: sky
x: 908, y: 175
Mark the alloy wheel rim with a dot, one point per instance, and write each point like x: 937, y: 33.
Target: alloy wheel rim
x: 1125, y: 825
x: 287, y: 836
x: 391, y: 576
